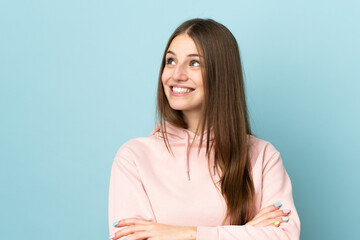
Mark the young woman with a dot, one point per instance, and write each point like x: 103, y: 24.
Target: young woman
x: 201, y: 174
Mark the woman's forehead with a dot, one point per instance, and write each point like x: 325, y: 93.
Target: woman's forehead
x: 182, y: 45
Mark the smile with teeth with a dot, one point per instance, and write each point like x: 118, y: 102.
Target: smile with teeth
x: 181, y: 90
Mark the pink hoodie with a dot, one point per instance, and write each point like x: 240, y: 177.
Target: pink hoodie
x: 148, y: 182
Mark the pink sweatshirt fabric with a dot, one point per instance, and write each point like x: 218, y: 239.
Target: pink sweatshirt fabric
x: 148, y: 182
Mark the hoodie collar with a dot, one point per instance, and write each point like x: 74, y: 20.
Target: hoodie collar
x: 177, y: 134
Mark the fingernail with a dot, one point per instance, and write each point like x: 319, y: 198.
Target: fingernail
x: 115, y: 223
x: 277, y: 205
x: 111, y: 236
x: 286, y: 211
x: 285, y: 219
x: 277, y: 223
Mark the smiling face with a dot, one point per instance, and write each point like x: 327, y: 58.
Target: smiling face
x: 182, y: 78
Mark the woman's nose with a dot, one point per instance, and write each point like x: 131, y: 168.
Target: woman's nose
x: 180, y: 73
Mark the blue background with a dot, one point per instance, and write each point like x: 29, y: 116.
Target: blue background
x: 78, y: 79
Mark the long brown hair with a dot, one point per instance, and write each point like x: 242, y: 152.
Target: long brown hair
x: 224, y: 112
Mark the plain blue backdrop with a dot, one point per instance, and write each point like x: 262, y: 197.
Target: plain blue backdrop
x: 78, y: 79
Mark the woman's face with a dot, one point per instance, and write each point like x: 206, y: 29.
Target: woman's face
x: 181, y: 78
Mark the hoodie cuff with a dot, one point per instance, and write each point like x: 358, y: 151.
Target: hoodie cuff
x: 206, y: 233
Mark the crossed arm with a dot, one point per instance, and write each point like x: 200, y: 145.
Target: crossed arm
x: 138, y: 221
x: 139, y: 229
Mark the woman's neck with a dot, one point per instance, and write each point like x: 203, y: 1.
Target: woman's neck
x: 192, y: 120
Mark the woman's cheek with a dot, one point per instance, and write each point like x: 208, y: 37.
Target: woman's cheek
x: 165, y: 76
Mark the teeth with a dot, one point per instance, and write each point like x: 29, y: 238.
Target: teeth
x: 181, y: 90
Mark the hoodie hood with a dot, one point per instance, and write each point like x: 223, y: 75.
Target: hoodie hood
x: 181, y: 135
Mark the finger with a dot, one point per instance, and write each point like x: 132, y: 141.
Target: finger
x: 131, y: 221
x: 277, y: 222
x: 266, y: 222
x: 270, y: 208
x: 260, y: 215
x: 283, y: 219
x: 267, y: 209
x: 280, y: 220
x: 275, y: 214
x: 133, y: 229
x: 138, y: 236
x: 272, y: 222
x: 269, y: 216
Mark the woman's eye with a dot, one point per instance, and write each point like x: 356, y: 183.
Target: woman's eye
x: 169, y: 60
x: 195, y: 62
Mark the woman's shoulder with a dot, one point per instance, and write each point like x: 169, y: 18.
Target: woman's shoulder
x: 262, y: 148
x: 138, y: 146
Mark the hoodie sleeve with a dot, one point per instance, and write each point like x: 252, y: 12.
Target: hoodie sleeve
x: 127, y: 196
x: 276, y: 188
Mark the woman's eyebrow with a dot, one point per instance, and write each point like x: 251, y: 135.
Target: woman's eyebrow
x: 189, y: 55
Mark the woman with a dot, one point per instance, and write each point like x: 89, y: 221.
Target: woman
x: 183, y: 183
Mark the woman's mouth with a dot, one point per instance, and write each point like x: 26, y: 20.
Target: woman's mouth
x: 180, y: 91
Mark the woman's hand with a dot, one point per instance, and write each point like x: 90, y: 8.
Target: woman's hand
x: 137, y: 229
x: 270, y: 216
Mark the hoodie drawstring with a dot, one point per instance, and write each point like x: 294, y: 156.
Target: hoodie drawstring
x: 212, y: 160
x: 186, y: 156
